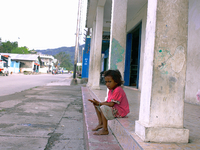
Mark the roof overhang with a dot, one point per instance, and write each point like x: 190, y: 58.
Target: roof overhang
x: 91, y: 12
x: 133, y: 7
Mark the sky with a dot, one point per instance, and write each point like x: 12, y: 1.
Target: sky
x: 41, y: 24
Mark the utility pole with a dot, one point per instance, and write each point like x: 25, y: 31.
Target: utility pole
x: 77, y: 42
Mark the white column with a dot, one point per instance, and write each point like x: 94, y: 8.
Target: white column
x: 162, y: 93
x: 92, y: 43
x: 97, y: 48
x: 193, y: 71
x: 118, y: 35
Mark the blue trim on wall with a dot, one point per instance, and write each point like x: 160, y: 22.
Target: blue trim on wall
x: 128, y: 59
x: 86, y: 58
x: 12, y: 64
x: 17, y: 64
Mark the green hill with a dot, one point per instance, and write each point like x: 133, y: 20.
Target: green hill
x: 67, y: 50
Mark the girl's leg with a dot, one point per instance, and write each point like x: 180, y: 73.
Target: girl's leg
x: 104, y: 131
x: 100, y: 125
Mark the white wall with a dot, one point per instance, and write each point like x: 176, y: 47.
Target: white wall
x: 13, y: 70
x: 193, y: 53
x: 43, y: 70
x: 26, y: 69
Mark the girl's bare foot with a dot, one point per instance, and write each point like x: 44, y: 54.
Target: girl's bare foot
x: 102, y: 132
x: 97, y: 127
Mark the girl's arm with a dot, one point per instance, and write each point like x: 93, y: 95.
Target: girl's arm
x: 97, y: 103
x: 110, y: 104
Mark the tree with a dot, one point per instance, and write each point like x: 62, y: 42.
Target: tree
x: 1, y: 47
x: 65, y: 60
x: 6, y: 47
x: 20, y: 50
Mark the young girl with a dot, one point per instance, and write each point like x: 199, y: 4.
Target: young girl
x: 116, y: 105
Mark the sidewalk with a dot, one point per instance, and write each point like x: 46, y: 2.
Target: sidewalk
x: 43, y: 118
x: 123, y: 128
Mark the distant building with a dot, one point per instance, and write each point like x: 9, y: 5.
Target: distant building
x: 25, y: 62
x: 20, y: 63
x: 46, y: 63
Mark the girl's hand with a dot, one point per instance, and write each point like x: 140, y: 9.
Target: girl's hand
x: 94, y: 101
x: 91, y: 100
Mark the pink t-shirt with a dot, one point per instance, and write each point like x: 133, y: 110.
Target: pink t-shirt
x: 118, y: 96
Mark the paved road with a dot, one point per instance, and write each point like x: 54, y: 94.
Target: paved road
x: 43, y: 118
x: 19, y: 82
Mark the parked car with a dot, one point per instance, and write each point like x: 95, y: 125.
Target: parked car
x: 4, y: 68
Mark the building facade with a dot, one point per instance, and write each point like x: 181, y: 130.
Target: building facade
x: 19, y: 63
x: 154, y: 44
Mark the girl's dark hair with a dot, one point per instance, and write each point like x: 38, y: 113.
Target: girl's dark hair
x: 116, y: 76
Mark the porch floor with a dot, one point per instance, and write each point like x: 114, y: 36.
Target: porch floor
x: 123, y: 129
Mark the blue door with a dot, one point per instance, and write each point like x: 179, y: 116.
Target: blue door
x: 139, y: 48
x: 128, y: 59
x: 132, y: 58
